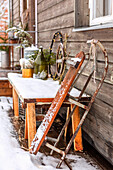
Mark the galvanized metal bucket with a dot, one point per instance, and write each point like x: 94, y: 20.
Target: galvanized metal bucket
x: 4, y: 59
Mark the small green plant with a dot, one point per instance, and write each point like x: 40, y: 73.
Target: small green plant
x: 4, y: 40
x: 26, y: 63
x: 50, y: 58
x: 43, y: 59
x: 33, y: 56
x: 24, y: 38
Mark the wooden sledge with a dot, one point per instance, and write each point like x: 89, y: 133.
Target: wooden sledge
x: 78, y: 103
x: 56, y: 104
x: 66, y: 86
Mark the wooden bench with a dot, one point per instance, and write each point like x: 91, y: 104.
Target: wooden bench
x: 34, y: 92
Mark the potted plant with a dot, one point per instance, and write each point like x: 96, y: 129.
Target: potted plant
x: 27, y: 66
x: 24, y: 38
x: 43, y: 59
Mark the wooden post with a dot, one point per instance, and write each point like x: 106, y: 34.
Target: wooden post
x: 26, y: 126
x: 12, y: 57
x: 65, y: 133
x: 75, y: 121
x: 31, y: 119
x: 15, y: 103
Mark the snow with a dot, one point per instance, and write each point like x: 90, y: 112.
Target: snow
x: 37, y: 88
x: 12, y: 157
x: 3, y: 78
x: 76, y: 59
x: 32, y: 48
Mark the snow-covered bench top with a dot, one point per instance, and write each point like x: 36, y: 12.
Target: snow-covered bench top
x: 31, y: 88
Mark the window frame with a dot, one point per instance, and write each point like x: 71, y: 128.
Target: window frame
x: 99, y: 20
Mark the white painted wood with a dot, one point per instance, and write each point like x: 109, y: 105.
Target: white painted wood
x: 96, y: 12
x: 98, y: 8
x: 94, y: 27
x: 27, y: 4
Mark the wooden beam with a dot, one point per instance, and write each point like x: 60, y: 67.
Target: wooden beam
x: 26, y: 126
x: 31, y: 119
x: 65, y: 133
x: 15, y: 103
x: 6, y: 92
x: 75, y: 121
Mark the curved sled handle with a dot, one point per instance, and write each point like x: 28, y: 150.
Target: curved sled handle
x: 97, y: 42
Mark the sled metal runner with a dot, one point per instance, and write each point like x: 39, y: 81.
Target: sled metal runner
x: 62, y: 93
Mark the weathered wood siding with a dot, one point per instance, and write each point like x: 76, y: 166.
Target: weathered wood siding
x: 25, y: 16
x: 15, y: 19
x: 16, y: 12
x: 81, y: 13
x: 64, y: 15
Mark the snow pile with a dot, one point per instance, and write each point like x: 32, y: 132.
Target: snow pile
x: 12, y: 157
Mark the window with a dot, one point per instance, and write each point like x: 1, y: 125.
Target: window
x: 101, y: 11
x: 93, y: 14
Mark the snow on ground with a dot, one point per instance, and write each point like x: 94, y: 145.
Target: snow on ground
x: 12, y: 157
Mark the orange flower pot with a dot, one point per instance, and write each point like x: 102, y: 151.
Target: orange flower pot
x: 27, y: 73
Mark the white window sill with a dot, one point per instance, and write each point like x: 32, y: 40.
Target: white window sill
x: 96, y: 27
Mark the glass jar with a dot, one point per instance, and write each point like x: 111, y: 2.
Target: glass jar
x: 40, y: 66
x: 29, y: 51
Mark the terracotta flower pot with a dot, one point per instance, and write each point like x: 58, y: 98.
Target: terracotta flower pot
x: 27, y: 73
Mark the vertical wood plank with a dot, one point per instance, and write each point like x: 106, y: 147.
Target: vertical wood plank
x: 81, y: 13
x: 76, y: 13
x: 26, y: 127
x: 15, y: 103
x: 9, y: 56
x: 86, y: 13
x: 12, y: 50
x: 65, y: 133
x: 75, y: 121
x: 13, y: 99
x: 31, y: 119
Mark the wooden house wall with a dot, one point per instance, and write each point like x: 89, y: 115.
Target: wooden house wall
x: 28, y: 18
x: 64, y: 15
x: 16, y: 12
x: 15, y: 19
